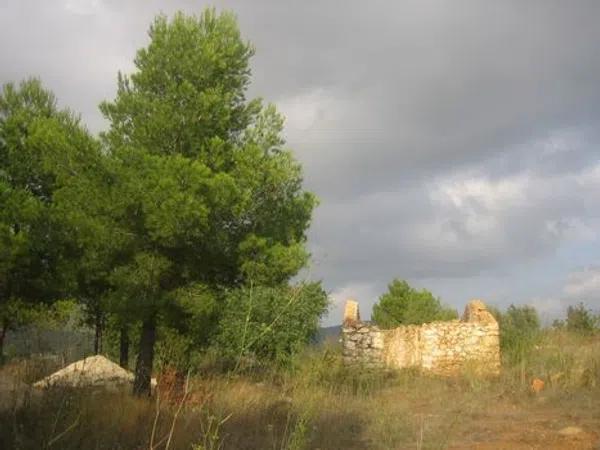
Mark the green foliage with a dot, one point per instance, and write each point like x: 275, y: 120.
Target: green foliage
x: 13, y: 314
x: 42, y: 149
x: 61, y: 314
x: 269, y: 323
x: 174, y: 350
x: 190, y: 192
x: 187, y: 328
x: 581, y: 320
x: 519, y: 332
x: 203, y: 188
x: 404, y: 305
x: 188, y: 94
x: 49, y: 159
x: 203, y: 195
x: 39, y: 327
x: 523, y: 318
x: 25, y: 189
x: 64, y: 314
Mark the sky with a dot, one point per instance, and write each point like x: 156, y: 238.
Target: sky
x: 452, y: 144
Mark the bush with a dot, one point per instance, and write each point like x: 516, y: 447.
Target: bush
x: 519, y: 332
x: 269, y: 324
x: 403, y: 305
x: 174, y: 350
x: 581, y: 320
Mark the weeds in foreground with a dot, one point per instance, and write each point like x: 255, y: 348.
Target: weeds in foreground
x: 211, y: 432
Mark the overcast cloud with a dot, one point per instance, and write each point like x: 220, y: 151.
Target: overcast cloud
x: 453, y: 144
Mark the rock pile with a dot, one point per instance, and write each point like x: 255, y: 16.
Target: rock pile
x: 93, y: 371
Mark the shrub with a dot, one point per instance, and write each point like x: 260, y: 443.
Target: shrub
x: 269, y: 324
x: 519, y: 332
x: 581, y: 320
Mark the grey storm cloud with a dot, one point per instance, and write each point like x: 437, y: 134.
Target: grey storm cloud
x: 451, y: 143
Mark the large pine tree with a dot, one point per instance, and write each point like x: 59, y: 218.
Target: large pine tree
x: 204, y: 193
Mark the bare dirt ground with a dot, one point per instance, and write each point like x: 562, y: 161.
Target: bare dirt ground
x: 506, y: 426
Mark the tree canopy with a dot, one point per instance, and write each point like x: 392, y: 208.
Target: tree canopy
x: 404, y: 305
x: 42, y: 149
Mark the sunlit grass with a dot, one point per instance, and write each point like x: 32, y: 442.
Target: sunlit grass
x: 316, y: 403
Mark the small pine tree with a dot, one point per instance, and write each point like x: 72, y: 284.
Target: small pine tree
x: 404, y: 305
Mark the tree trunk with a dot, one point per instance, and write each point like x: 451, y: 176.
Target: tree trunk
x: 124, y: 348
x: 98, y: 334
x: 2, y: 336
x: 145, y: 359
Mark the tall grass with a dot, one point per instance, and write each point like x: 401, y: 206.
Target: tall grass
x: 316, y: 403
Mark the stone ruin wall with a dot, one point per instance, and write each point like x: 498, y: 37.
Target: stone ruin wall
x: 444, y: 348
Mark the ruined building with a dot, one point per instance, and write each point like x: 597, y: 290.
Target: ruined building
x: 444, y: 348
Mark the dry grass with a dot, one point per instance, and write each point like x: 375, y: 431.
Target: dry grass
x: 320, y: 404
